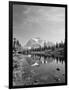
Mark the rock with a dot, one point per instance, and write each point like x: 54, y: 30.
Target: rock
x: 36, y: 82
x: 57, y: 78
x: 58, y: 69
x: 63, y: 74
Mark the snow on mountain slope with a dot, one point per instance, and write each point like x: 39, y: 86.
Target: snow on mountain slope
x: 37, y: 42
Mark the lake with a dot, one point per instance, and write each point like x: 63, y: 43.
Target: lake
x: 38, y: 70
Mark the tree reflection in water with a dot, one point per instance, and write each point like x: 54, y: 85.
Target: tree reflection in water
x: 47, y: 59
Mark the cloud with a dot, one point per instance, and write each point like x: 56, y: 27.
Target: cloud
x: 38, y: 21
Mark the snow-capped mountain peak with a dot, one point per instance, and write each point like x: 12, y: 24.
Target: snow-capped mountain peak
x: 37, y: 42
x: 35, y: 39
x: 33, y: 43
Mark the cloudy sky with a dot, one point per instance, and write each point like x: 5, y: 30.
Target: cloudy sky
x: 45, y: 22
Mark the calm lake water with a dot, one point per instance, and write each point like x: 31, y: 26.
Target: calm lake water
x: 41, y: 70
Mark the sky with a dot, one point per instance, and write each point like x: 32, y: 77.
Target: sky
x: 45, y: 22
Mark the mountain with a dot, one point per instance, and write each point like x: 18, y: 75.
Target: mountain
x: 33, y: 43
x: 37, y: 42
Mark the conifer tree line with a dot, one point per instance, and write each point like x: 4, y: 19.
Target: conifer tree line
x: 17, y: 45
